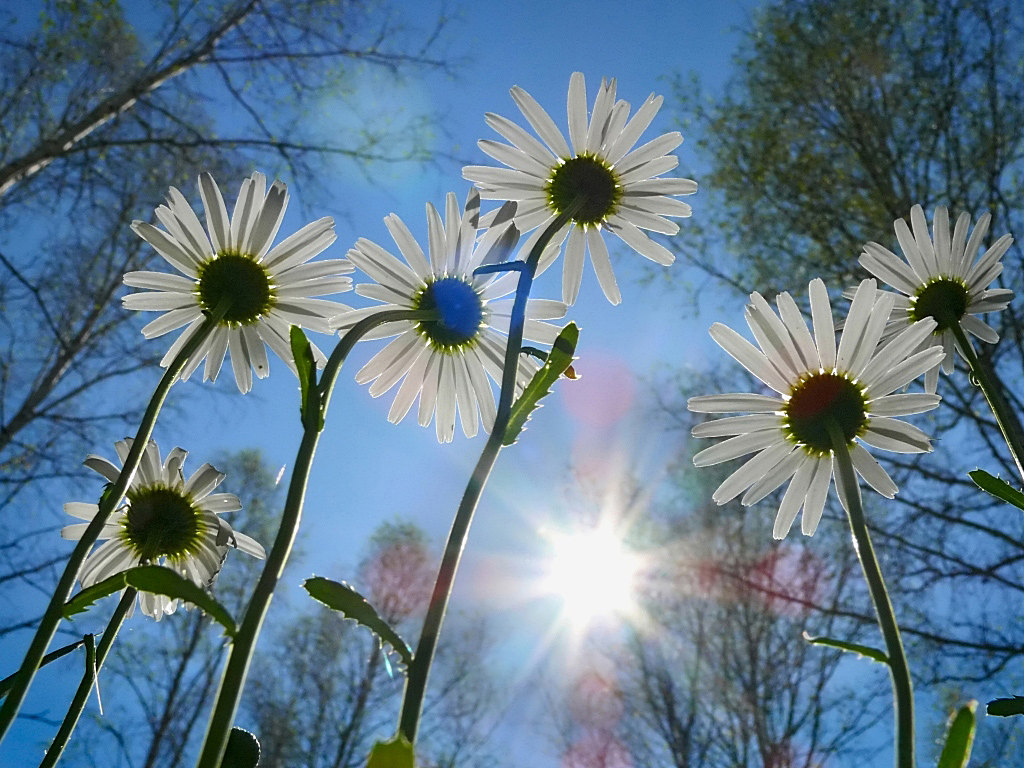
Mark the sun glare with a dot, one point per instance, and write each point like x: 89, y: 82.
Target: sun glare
x: 593, y: 573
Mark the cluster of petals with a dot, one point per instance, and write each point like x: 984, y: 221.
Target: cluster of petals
x: 116, y: 554
x: 644, y: 198
x: 787, y: 352
x: 447, y: 380
x: 942, y: 257
x: 249, y: 233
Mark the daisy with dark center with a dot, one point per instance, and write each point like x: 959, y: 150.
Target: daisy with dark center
x: 266, y: 289
x: 598, y: 175
x: 821, y: 392
x: 446, y: 361
x: 165, y: 520
x: 942, y: 278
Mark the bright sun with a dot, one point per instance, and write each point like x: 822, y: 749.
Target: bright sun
x: 593, y: 573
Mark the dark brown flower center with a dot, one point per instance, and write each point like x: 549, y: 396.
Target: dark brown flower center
x: 243, y: 281
x: 819, y: 399
x: 589, y: 178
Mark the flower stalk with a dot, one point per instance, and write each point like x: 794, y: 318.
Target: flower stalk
x: 110, y: 500
x: 419, y: 670
x: 990, y: 386
x: 229, y: 692
x: 899, y: 672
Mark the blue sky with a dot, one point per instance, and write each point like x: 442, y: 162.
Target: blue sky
x: 368, y: 470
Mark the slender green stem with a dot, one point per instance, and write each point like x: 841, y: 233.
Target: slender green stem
x: 229, y: 692
x: 988, y: 382
x: 899, y: 672
x: 419, y: 670
x: 92, y: 669
x: 108, y: 503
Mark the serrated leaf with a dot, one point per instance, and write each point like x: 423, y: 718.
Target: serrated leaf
x: 242, y: 751
x: 1006, y: 707
x: 396, y: 753
x: 164, y: 581
x: 558, y: 361
x: 873, y: 654
x: 959, y: 738
x: 340, y: 597
x: 305, y: 367
x: 85, y: 599
x: 998, y: 488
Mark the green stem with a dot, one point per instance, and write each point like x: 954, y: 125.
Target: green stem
x: 899, y: 672
x: 988, y: 382
x: 419, y: 670
x: 92, y: 669
x: 229, y: 692
x: 108, y: 503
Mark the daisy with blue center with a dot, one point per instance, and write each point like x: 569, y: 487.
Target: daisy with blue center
x: 447, y: 362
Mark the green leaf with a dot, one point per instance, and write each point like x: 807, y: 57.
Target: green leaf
x: 242, y: 751
x: 1006, y: 707
x: 340, y: 597
x: 305, y: 366
x: 85, y: 599
x: 559, y: 360
x: 861, y: 650
x: 396, y: 753
x: 998, y: 488
x: 959, y: 738
x: 164, y: 581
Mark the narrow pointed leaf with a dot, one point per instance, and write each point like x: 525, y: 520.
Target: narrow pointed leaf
x: 1006, y: 707
x: 242, y: 751
x: 7, y: 682
x: 164, y: 581
x: 396, y: 753
x: 874, y: 654
x: 558, y: 361
x: 998, y: 488
x: 959, y: 738
x: 85, y: 599
x: 340, y: 597
x: 305, y: 366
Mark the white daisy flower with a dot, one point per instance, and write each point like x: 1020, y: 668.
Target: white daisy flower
x: 941, y: 279
x: 816, y: 384
x: 165, y: 520
x: 446, y: 362
x: 270, y: 288
x: 620, y: 187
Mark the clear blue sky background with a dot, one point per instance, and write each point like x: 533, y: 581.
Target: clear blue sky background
x: 368, y: 470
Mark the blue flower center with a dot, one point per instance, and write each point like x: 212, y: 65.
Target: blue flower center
x: 460, y: 313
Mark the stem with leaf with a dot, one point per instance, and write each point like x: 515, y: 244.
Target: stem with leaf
x: 93, y: 664
x: 315, y: 398
x: 419, y: 670
x: 109, y: 501
x: 899, y: 672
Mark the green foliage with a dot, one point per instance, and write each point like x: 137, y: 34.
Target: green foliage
x: 352, y: 605
x: 396, y: 753
x: 1005, y: 707
x: 959, y: 738
x: 865, y: 651
x: 998, y: 488
x: 845, y: 113
x: 559, y: 359
x: 242, y: 751
x: 158, y: 580
x: 310, y: 408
